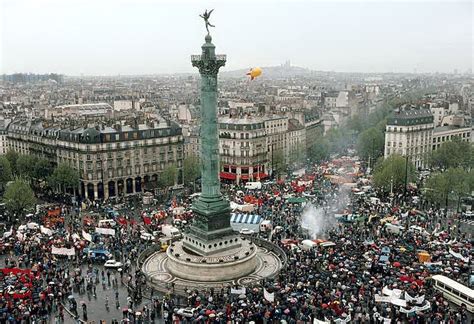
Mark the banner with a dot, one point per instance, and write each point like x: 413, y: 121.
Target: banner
x: 46, y: 231
x: 105, y: 231
x: 392, y: 293
x: 86, y: 236
x: 343, y: 321
x: 63, y: 251
x: 398, y: 302
x: 238, y: 291
x: 268, y: 296
x: 418, y: 300
x: 459, y: 256
x: 416, y: 308
x: 382, y: 299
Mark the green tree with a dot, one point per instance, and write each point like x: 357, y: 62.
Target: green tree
x: 297, y: 155
x: 390, y: 173
x: 191, y: 168
x: 12, y: 156
x: 25, y: 166
x: 453, y: 184
x: 19, y: 197
x: 278, y: 163
x: 64, y: 177
x: 42, y: 169
x: 356, y: 123
x: 453, y: 154
x: 5, y: 171
x: 168, y: 177
x: 339, y: 139
x: 319, y: 150
x: 370, y: 143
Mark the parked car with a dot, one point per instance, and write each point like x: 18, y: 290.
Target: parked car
x: 246, y: 231
x: 113, y: 264
x: 186, y: 312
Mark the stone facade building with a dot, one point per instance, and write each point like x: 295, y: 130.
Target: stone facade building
x: 409, y: 133
x: 243, y: 149
x: 111, y: 161
x: 448, y: 133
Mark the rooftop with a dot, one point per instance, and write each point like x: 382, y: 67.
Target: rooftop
x: 450, y: 127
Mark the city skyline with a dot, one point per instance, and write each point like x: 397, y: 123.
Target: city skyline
x: 125, y: 38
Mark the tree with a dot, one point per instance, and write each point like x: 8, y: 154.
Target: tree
x: 339, y: 139
x: 64, y: 176
x: 453, y: 183
x: 297, y: 155
x: 390, y: 173
x: 453, y: 154
x: 191, y: 168
x: 356, y: 123
x: 12, y: 156
x: 370, y: 143
x: 168, y: 177
x: 25, y: 166
x: 319, y: 150
x: 19, y: 197
x: 5, y: 171
x: 278, y: 163
x: 42, y: 169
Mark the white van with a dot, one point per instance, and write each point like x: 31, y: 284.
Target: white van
x: 307, y: 245
x: 253, y: 185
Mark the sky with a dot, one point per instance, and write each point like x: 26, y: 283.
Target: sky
x: 131, y: 37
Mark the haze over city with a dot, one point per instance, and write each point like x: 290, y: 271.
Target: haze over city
x: 236, y: 162
x: 152, y: 37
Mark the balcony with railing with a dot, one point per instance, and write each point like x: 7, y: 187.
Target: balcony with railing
x: 218, y: 57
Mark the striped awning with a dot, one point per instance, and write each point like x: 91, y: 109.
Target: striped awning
x: 245, y: 218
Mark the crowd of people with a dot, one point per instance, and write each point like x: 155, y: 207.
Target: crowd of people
x: 344, y: 282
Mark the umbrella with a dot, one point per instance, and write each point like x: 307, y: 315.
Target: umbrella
x: 242, y: 296
x: 397, y: 264
x: 70, y: 297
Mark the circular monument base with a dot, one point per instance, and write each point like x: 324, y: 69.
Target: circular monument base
x: 225, y: 265
x: 243, y: 266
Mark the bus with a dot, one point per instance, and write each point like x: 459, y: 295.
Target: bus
x: 455, y: 292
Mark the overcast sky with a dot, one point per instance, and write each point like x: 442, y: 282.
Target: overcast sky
x: 110, y: 37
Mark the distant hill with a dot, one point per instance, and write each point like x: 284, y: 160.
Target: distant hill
x: 271, y: 72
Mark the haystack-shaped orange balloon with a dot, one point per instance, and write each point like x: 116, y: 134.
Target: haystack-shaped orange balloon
x: 254, y: 72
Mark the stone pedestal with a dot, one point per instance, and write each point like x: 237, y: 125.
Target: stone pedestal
x: 219, y: 265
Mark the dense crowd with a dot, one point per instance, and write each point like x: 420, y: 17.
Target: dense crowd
x: 341, y: 283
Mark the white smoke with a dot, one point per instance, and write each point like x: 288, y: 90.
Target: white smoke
x: 316, y: 221
x: 319, y: 220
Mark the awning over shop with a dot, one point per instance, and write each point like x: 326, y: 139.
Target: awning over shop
x: 260, y: 175
x: 228, y: 175
x: 245, y: 218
